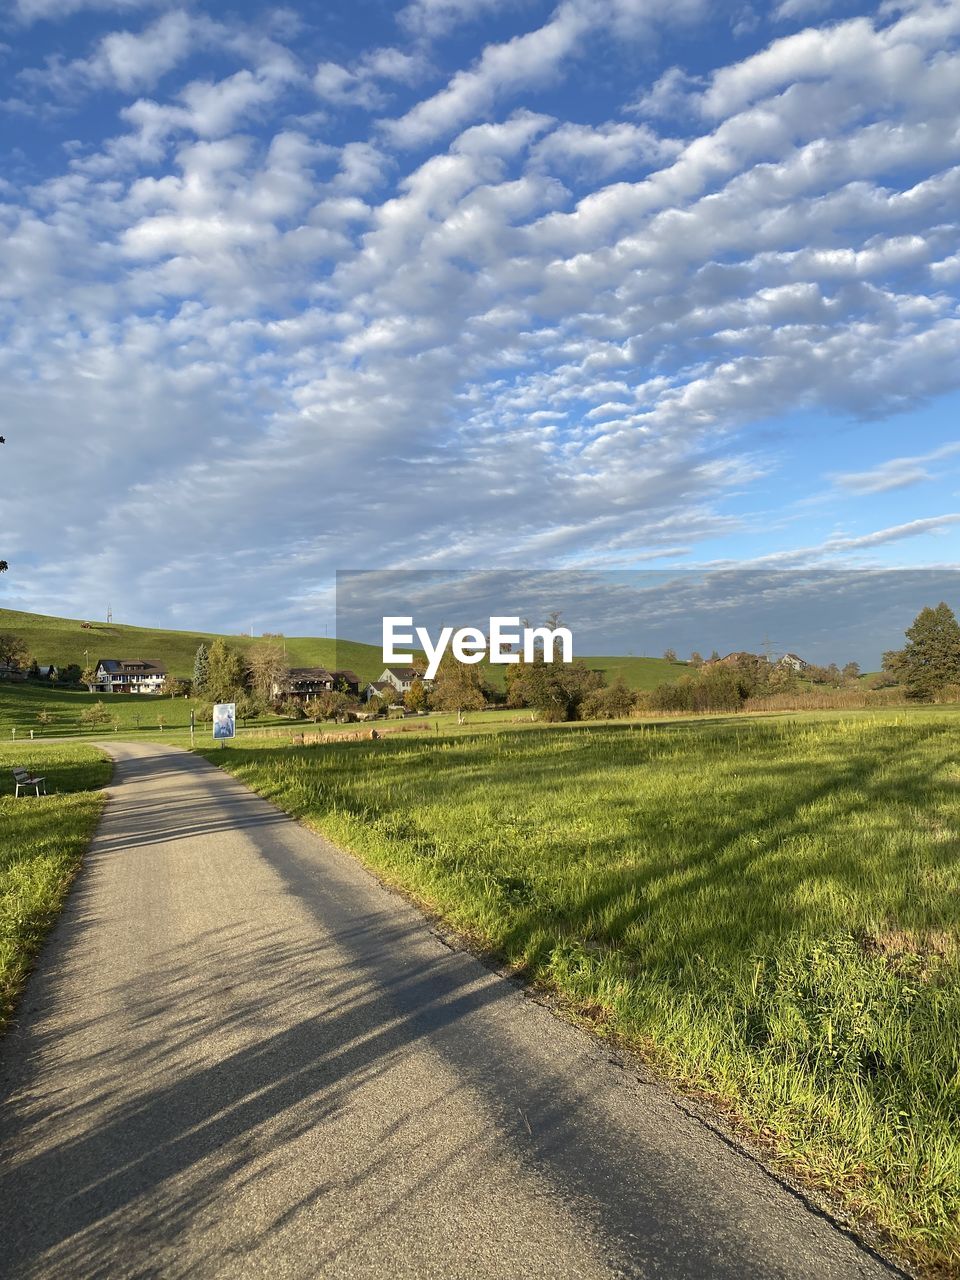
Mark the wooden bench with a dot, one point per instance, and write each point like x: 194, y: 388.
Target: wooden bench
x: 22, y: 779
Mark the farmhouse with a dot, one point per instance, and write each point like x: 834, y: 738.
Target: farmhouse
x: 302, y: 683
x: 376, y: 689
x: 122, y: 675
x: 794, y: 661
x: 400, y: 677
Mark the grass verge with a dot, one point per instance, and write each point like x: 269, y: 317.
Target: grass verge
x: 44, y: 840
x: 767, y: 907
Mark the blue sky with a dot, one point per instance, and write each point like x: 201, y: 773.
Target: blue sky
x: 608, y: 284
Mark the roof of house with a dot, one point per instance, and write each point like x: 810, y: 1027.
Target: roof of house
x: 404, y: 673
x: 309, y: 673
x: 131, y: 666
x: 345, y: 673
x: 792, y: 657
x: 380, y: 685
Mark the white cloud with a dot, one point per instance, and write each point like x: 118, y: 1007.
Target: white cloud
x: 36, y: 10
x: 602, y: 151
x: 362, y: 84
x: 673, y: 93
x: 526, y: 61
x: 897, y: 473
x: 438, y: 17
x: 296, y: 334
x: 802, y: 8
x: 849, y: 51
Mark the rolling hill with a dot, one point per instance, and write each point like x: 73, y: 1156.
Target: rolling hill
x: 65, y: 640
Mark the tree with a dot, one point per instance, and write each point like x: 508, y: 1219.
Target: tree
x: 415, y: 699
x: 329, y: 705
x: 226, y: 672
x: 94, y: 715
x: 13, y: 650
x: 556, y: 689
x: 696, y: 659
x: 614, y: 703
x: 930, y: 660
x: 70, y: 674
x: 851, y: 671
x: 201, y: 665
x: 458, y: 687
x: 89, y: 677
x: 44, y: 717
x: 669, y: 655
x: 268, y: 669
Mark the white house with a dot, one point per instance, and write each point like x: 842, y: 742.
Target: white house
x: 400, y: 677
x: 118, y: 675
x: 792, y: 660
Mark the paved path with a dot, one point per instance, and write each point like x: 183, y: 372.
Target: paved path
x: 241, y: 1056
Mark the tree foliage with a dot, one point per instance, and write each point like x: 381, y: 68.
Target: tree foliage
x: 458, y: 686
x: 201, y: 668
x: 416, y: 698
x: 930, y: 660
x: 556, y: 690
x: 13, y: 649
x: 267, y: 668
x: 226, y: 673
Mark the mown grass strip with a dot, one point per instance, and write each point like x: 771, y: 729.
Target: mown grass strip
x: 770, y: 906
x: 43, y: 842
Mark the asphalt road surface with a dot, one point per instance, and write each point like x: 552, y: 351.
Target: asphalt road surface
x: 241, y: 1056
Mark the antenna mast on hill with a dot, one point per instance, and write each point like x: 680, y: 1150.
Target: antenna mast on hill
x: 109, y: 614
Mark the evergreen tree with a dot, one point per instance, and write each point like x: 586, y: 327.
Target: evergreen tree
x: 201, y: 667
x: 226, y: 673
x: 930, y: 660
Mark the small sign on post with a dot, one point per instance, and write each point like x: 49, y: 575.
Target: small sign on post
x: 224, y: 721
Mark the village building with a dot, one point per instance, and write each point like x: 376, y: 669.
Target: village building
x: 794, y: 661
x: 123, y: 675
x: 303, y: 683
x: 401, y: 678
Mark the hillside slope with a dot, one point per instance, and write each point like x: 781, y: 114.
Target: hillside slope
x: 65, y: 640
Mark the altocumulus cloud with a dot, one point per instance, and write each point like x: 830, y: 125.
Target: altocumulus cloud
x: 276, y: 302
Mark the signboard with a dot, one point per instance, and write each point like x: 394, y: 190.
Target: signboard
x: 225, y: 720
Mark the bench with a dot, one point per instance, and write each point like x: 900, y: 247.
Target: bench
x: 22, y: 778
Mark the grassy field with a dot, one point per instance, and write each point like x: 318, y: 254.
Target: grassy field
x: 21, y: 704
x: 767, y: 907
x: 63, y: 640
x: 43, y: 842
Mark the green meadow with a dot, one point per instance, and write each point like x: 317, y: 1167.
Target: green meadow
x: 43, y: 842
x: 766, y: 907
x: 22, y: 705
x: 65, y: 640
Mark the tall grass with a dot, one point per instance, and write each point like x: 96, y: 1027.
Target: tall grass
x: 42, y: 841
x: 768, y: 907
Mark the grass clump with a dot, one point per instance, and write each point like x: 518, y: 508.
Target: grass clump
x: 44, y: 839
